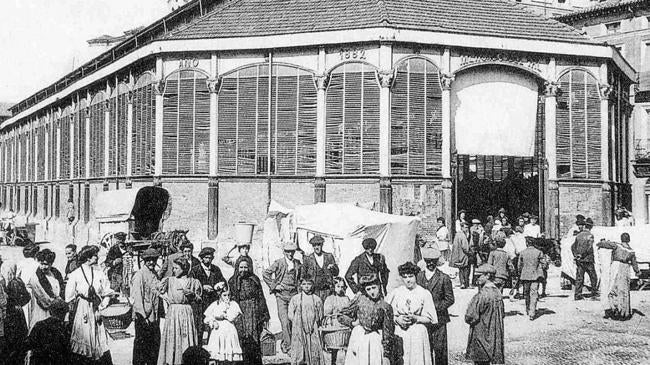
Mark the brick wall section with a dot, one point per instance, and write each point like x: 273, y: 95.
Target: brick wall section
x: 424, y: 200
x: 585, y: 199
x: 365, y: 194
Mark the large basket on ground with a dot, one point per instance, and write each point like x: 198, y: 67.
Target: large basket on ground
x: 335, y: 337
x: 117, y: 317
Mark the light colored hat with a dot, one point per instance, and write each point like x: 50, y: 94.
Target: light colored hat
x: 430, y: 253
x: 289, y: 246
x: 476, y: 221
x: 486, y: 269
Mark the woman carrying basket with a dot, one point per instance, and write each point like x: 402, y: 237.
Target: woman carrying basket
x: 333, y: 306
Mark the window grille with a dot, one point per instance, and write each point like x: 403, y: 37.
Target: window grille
x: 53, y: 151
x: 97, y: 135
x: 117, y: 127
x: 42, y: 132
x: 352, y: 120
x: 143, y: 138
x: 186, y: 124
x: 578, y: 126
x: 416, y: 119
x: 65, y: 144
x: 80, y: 140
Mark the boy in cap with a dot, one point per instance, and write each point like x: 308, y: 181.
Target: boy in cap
x: 441, y: 289
x: 321, y: 266
x: 367, y: 263
x: 583, y: 254
x: 305, y: 313
x: 485, y: 314
x: 209, y: 275
x: 144, y: 296
x: 282, y: 278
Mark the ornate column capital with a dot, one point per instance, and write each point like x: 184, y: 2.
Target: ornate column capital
x: 159, y: 87
x: 322, y: 81
x: 213, y: 85
x: 551, y: 89
x: 606, y: 91
x: 446, y: 81
x: 385, y: 77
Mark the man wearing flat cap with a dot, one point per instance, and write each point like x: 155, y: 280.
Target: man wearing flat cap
x: 484, y: 315
x: 209, y: 275
x: 321, y: 267
x: 283, y: 278
x: 119, y: 262
x: 441, y: 289
x: 583, y: 254
x: 144, y: 297
x: 367, y: 263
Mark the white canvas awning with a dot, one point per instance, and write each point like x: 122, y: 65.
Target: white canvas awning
x: 115, y: 205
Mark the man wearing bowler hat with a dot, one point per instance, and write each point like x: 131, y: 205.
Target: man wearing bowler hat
x: 367, y: 263
x: 583, y: 254
x: 144, y: 296
x: 440, y: 287
x: 283, y: 278
x: 209, y: 275
x: 321, y: 267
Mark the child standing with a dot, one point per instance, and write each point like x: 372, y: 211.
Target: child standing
x: 305, y: 313
x: 332, y: 308
x: 220, y: 316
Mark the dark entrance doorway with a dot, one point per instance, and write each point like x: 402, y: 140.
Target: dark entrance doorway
x: 486, y: 183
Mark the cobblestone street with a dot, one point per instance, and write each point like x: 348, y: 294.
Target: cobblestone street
x: 567, y: 332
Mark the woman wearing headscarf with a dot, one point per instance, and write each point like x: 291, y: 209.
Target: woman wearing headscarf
x: 17, y: 297
x: 618, y: 293
x: 413, y: 309
x: 88, y: 289
x: 246, y: 289
x: 46, y: 287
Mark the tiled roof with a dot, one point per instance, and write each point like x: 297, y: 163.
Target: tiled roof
x: 603, y: 8
x: 499, y: 18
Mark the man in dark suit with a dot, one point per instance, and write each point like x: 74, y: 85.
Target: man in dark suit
x: 283, y: 277
x: 439, y: 284
x: 583, y: 253
x: 367, y: 263
x: 531, y: 261
x: 118, y: 258
x: 321, y: 267
x: 185, y: 251
x: 209, y: 275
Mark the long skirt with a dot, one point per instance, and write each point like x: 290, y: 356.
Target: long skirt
x: 364, y: 348
x: 415, y: 342
x: 89, y: 338
x: 619, y: 292
x: 179, y: 333
x: 224, y: 343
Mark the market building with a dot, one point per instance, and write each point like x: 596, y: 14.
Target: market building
x: 410, y: 107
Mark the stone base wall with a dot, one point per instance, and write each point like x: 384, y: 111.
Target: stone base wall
x: 580, y: 198
x: 420, y: 199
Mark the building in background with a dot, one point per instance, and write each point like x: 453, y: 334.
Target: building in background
x: 5, y: 113
x: 553, y: 8
x: 416, y: 107
x: 625, y: 24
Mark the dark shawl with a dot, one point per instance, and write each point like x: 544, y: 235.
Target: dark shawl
x: 42, y: 279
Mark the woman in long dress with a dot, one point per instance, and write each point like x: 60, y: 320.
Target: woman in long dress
x: 179, y: 332
x: 371, y: 340
x: 618, y: 294
x: 413, y: 308
x: 220, y: 316
x: 14, y: 322
x: 442, y: 237
x: 246, y: 289
x: 88, y: 289
x: 332, y: 308
x: 46, y: 287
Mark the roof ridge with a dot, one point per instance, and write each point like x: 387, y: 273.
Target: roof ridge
x: 548, y: 20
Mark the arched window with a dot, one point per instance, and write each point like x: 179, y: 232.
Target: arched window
x: 143, y: 137
x: 64, y: 128
x: 578, y: 126
x: 249, y: 109
x: 117, y: 127
x: 352, y: 120
x: 416, y: 119
x: 96, y: 151
x: 79, y: 166
x: 186, y: 124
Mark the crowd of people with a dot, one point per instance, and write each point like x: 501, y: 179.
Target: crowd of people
x: 52, y: 317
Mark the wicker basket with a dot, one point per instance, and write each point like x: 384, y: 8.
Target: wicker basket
x: 117, y: 316
x: 335, y: 338
x: 267, y: 340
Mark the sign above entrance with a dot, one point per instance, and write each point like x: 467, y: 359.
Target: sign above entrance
x: 504, y: 58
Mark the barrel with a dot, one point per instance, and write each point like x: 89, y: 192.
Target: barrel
x: 244, y: 232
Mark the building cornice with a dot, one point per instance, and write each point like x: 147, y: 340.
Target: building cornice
x: 306, y: 40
